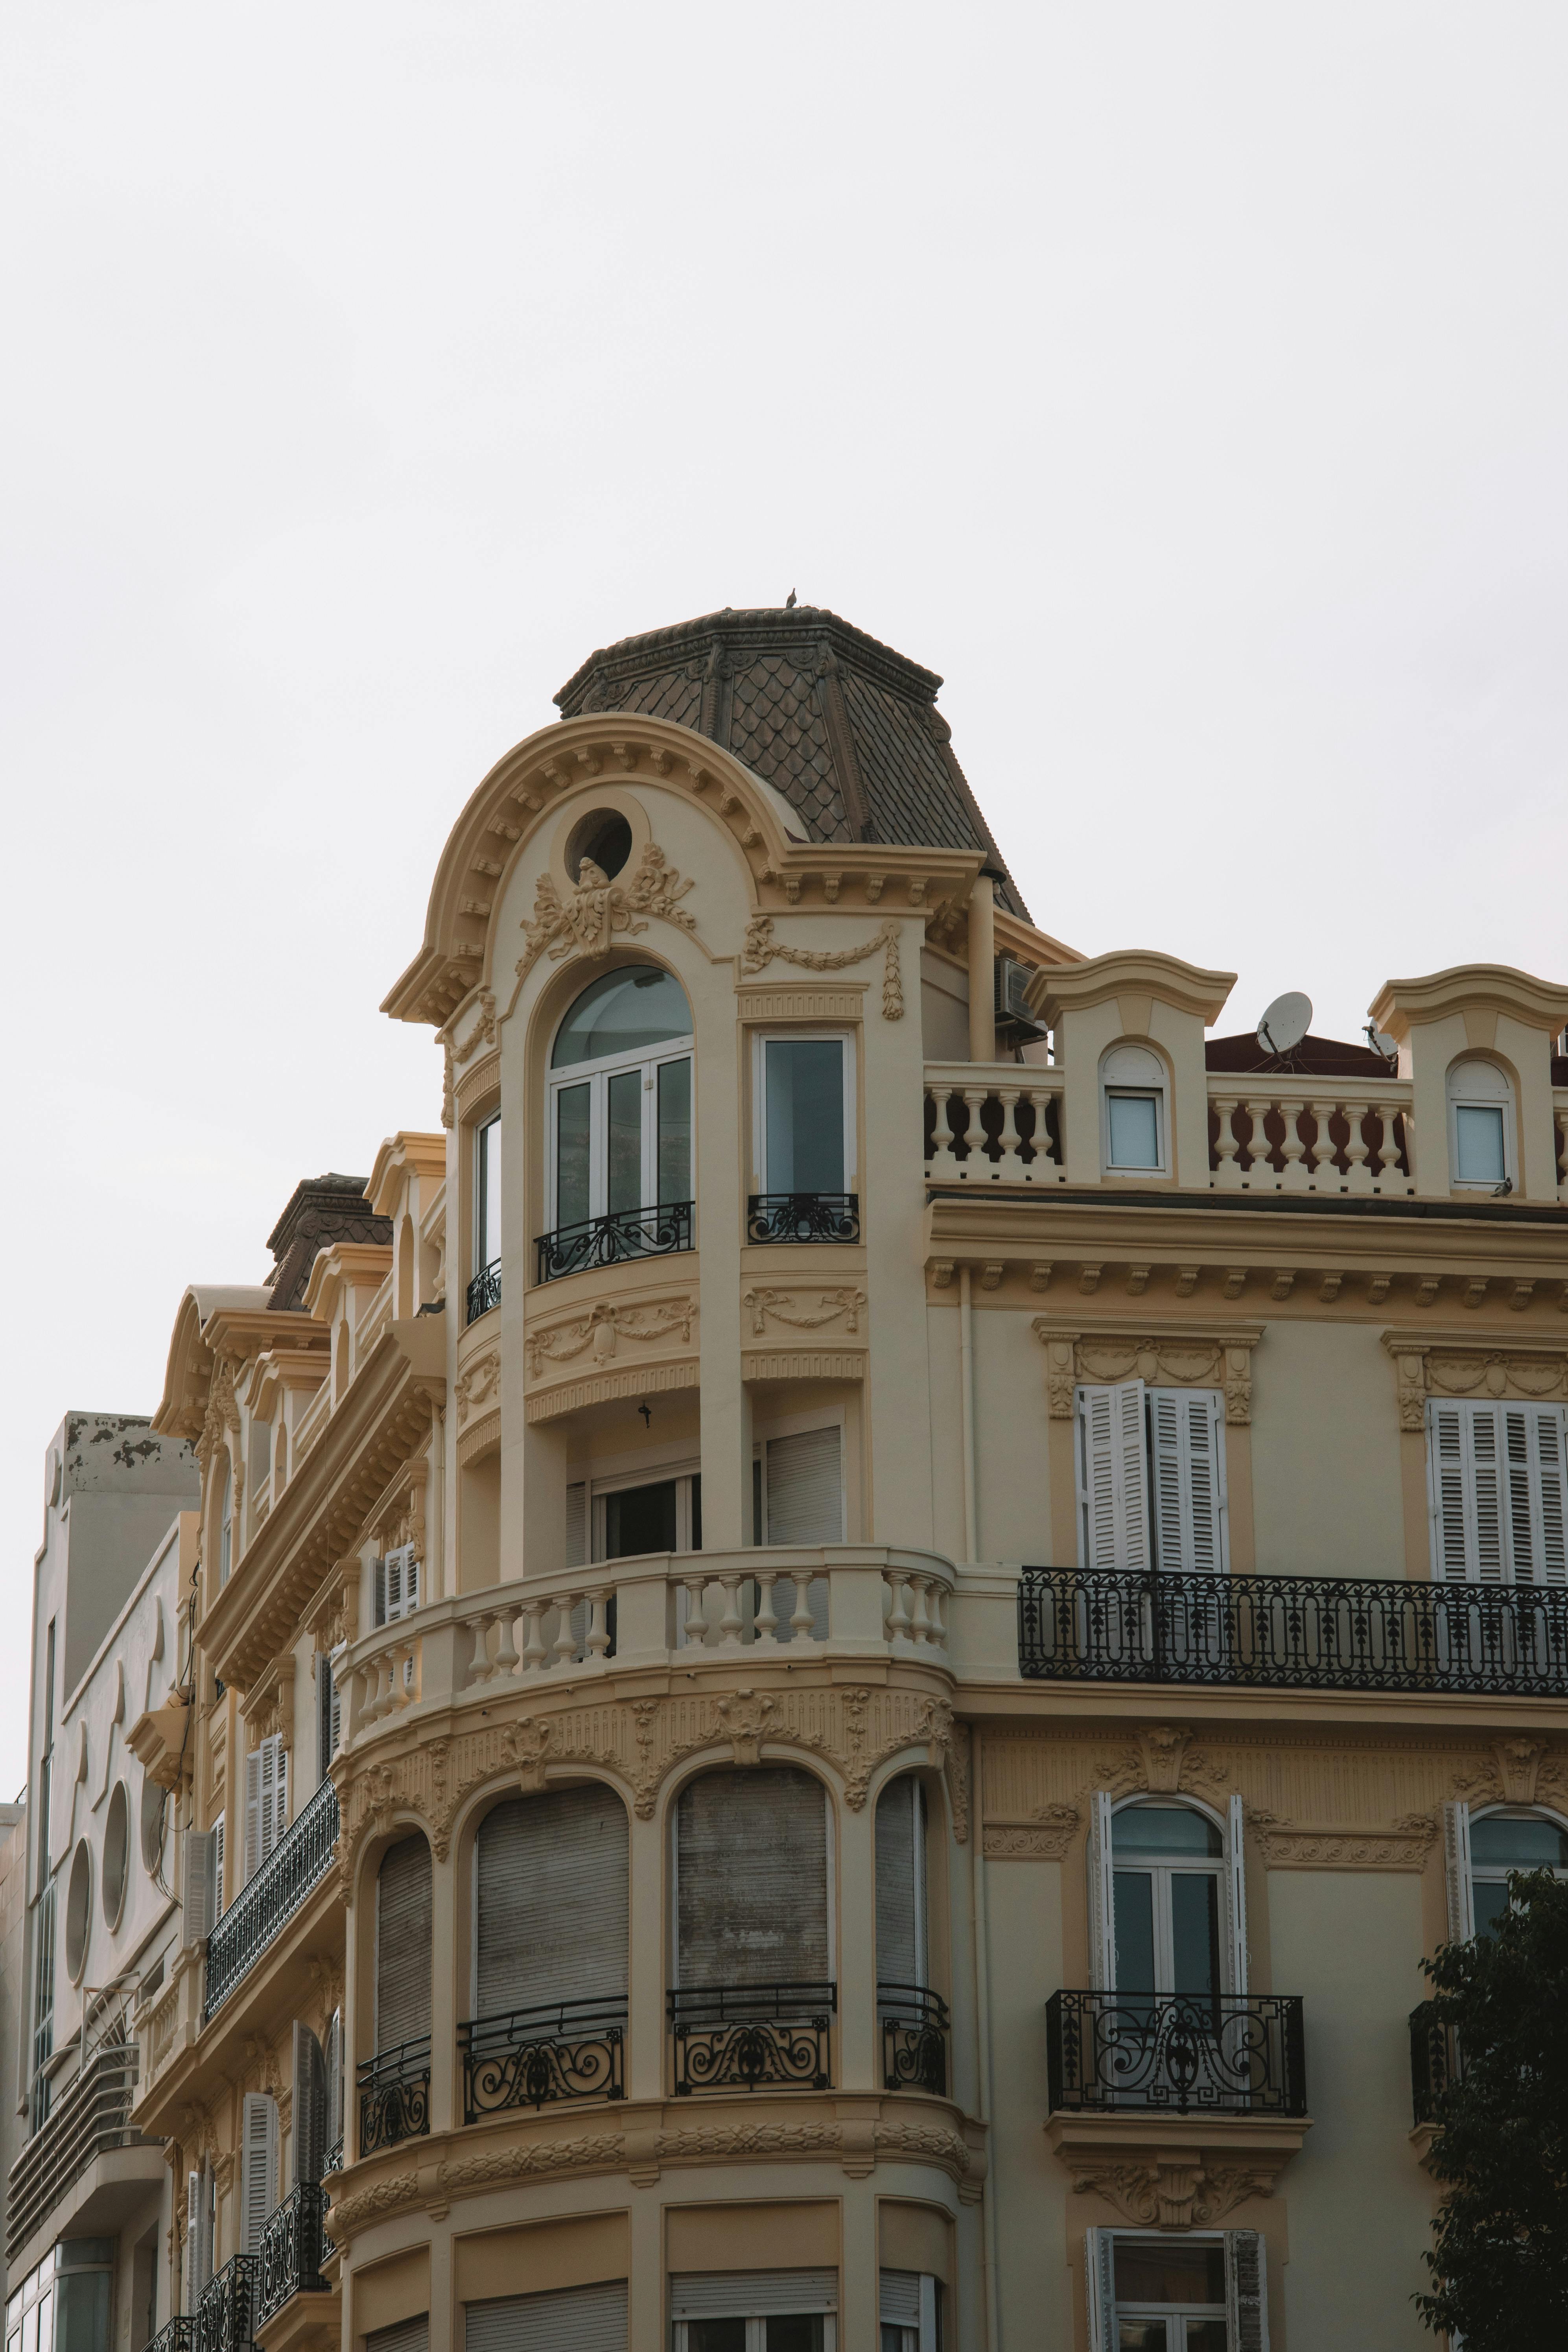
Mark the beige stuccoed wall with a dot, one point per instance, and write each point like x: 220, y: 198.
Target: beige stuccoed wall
x: 1359, y: 2205
x: 1011, y: 1438
x: 1024, y: 1923
x: 1327, y: 1497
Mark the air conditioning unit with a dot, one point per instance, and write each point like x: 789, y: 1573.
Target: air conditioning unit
x: 1011, y: 980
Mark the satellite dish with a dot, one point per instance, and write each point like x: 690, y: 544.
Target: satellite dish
x: 1285, y: 1023
x: 1384, y: 1044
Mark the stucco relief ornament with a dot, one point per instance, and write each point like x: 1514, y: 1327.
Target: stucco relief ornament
x: 762, y: 949
x: 588, y: 919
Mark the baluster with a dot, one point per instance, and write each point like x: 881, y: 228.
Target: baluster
x: 1226, y: 1177
x: 800, y: 1616
x: 899, y: 1620
x: 1355, y: 1149
x: 506, y: 1659
x: 977, y: 1164
x: 598, y: 1643
x: 403, y: 1674
x: 534, y: 1650
x: 938, y: 1621
x: 731, y: 1621
x: 919, y: 1629
x: 696, y: 1610
x: 1295, y: 1150
x: 1322, y: 1146
x: 1388, y: 1147
x: 369, y: 1684
x: 766, y: 1623
x: 1011, y: 1165
x: 480, y: 1666
x: 941, y: 1156
x: 565, y: 1643
x: 1258, y: 1148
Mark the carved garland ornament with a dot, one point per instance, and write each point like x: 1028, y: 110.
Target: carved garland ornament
x: 1433, y: 1367
x: 1175, y: 2191
x: 586, y: 921
x: 476, y: 1381
x: 604, y: 1326
x: 1219, y: 1360
x: 762, y: 949
x: 482, y: 1034
x: 778, y: 1304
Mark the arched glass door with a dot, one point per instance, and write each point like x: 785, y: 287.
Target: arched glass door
x: 620, y: 1123
x: 1167, y: 1862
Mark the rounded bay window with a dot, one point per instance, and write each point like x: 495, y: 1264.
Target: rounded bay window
x: 619, y: 1123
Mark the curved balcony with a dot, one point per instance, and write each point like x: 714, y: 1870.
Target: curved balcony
x: 612, y: 1239
x: 691, y: 1610
x: 753, y: 2037
x: 537, y: 2057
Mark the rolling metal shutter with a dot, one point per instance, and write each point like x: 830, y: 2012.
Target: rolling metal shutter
x: 805, y: 1488
x: 751, y: 2294
x: 751, y: 1866
x: 901, y: 1894
x: 571, y: 2319
x: 550, y: 1900
x: 403, y: 1944
x: 408, y: 2336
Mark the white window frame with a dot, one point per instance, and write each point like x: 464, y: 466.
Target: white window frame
x: 1156, y: 1089
x: 757, y: 2331
x: 760, y: 1041
x: 1488, y: 1873
x: 480, y: 1262
x: 596, y: 1076
x: 679, y: 1474
x: 1106, y: 2313
x: 1468, y: 1098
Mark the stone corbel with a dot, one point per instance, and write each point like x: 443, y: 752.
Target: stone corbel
x: 1181, y: 1355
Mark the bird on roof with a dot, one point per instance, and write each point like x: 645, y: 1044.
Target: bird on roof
x: 789, y: 602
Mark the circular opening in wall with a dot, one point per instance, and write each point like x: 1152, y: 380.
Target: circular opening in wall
x: 152, y: 1819
x: 116, y: 1854
x: 603, y: 836
x: 78, y: 1902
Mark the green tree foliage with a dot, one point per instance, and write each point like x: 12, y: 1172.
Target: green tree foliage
x: 1499, y: 2259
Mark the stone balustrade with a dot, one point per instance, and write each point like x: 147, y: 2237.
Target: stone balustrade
x: 993, y: 1123
x: 1323, y: 1135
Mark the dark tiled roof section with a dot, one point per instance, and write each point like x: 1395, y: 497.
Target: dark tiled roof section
x: 847, y: 728
x: 321, y: 1210
x: 1314, y: 1057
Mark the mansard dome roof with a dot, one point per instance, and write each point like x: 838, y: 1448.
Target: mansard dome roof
x: 845, y: 727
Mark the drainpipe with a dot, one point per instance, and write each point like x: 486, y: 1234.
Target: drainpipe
x: 966, y: 1406
x: 981, y: 972
x: 980, y: 1922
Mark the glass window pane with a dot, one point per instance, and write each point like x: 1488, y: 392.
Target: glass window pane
x: 81, y: 2322
x: 639, y: 1519
x: 1478, y: 1133
x: 489, y: 1196
x: 624, y: 1172
x: 571, y: 1155
x: 1164, y: 1829
x: 674, y: 1133
x: 1134, y: 1899
x: 1504, y: 1844
x: 1141, y: 2335
x: 1206, y: 2335
x: 1489, y: 1896
x: 716, y: 2334
x: 803, y: 2333
x: 804, y: 1115
x: 624, y: 1012
x: 1180, y: 2271
x: 1134, y: 1125
x: 1194, y: 1931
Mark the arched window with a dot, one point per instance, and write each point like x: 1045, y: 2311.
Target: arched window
x: 620, y: 1117
x: 1503, y: 1841
x: 1168, y: 1871
x: 1480, y: 1126
x: 1133, y: 1109
x: 912, y: 2018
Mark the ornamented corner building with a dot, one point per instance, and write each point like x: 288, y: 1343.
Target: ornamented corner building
x: 839, y: 1650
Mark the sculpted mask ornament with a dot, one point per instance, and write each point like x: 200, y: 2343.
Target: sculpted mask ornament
x: 590, y: 917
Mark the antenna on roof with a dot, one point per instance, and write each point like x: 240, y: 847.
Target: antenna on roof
x: 1285, y: 1023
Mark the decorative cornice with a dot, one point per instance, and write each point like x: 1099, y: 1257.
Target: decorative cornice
x: 804, y: 1364
x: 1179, y: 2188
x: 1286, y: 1845
x: 1457, y: 1364
x: 1182, y: 1355
x: 654, y: 1379
x: 1044, y: 1837
x: 762, y: 949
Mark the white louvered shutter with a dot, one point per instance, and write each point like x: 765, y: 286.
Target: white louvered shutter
x: 805, y: 1488
x: 1532, y: 1437
x: 1100, y: 2284
x: 380, y: 1599
x: 258, y: 2167
x: 219, y: 1839
x: 1113, y: 1478
x: 1246, y: 2292
x: 577, y: 1525
x: 272, y: 1798
x: 403, y: 1944
x: 1458, y: 1884
x: 551, y: 1899
x: 751, y: 2294
x: 1236, y: 1892
x: 329, y: 1712
x: 900, y: 1890
x: 398, y: 1584
x: 309, y: 2109
x: 1101, y: 1894
x: 1187, y: 1428
x: 193, y: 2241
x: 752, y: 1878
x: 333, y: 2106
x: 252, y: 1813
x: 1465, y: 1450
x: 571, y: 2319
x: 195, y: 1893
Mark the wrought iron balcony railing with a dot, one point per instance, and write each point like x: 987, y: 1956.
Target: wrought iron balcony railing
x: 1292, y: 1632
x: 1181, y: 2053
x: 607, y: 1240
x: 483, y: 1293
x: 1434, y: 2062
x: 533, y: 2057
x: 225, y: 2310
x: 88, y: 2117
x: 294, y: 2244
x: 803, y: 1217
x: 333, y: 2159
x: 914, y: 2037
x: 176, y: 2335
x: 394, y: 2096
x: 753, y: 2037
x: 265, y: 1903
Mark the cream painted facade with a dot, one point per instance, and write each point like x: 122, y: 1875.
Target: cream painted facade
x: 1002, y: 1351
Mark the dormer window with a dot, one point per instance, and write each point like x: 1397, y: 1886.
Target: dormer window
x: 1132, y: 1095
x: 1480, y: 1118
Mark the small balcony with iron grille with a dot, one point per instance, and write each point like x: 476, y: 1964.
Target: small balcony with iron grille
x: 268, y: 1900
x: 394, y: 2096
x: 290, y: 2285
x: 752, y: 2037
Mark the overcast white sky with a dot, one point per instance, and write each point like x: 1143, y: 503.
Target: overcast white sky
x: 1186, y: 382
